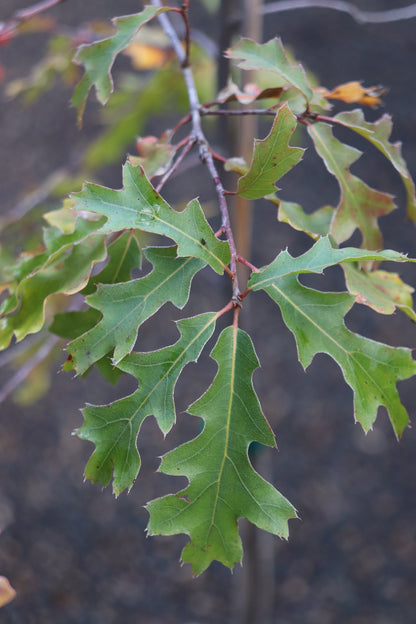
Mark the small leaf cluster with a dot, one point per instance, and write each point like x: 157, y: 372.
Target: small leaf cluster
x: 92, y: 247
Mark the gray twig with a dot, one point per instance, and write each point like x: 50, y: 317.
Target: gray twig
x: 35, y: 197
x: 204, y: 151
x: 25, y: 370
x: 362, y: 17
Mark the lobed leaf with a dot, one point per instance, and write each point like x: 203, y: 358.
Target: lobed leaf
x: 114, y: 428
x: 124, y: 255
x: 370, y: 368
x: 360, y: 206
x: 272, y: 158
x: 315, y: 224
x: 70, y: 325
x: 382, y: 291
x: 155, y: 155
x: 126, y: 117
x: 139, y: 206
x: 251, y: 93
x: 57, y: 243
x: 271, y: 57
x: 315, y: 260
x: 378, y: 133
x: 223, y: 486
x: 354, y: 92
x: 66, y: 275
x: 127, y: 305
x: 98, y: 58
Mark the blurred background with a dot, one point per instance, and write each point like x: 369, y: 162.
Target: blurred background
x: 75, y: 554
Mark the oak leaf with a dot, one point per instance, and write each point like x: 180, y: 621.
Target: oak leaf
x: 354, y: 92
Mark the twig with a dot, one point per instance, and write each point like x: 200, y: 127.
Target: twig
x: 225, y: 309
x: 18, y: 349
x: 35, y: 197
x: 204, y: 151
x: 362, y: 17
x: 242, y: 207
x: 25, y: 14
x: 185, y: 9
x: 189, y: 145
x: 243, y: 111
x: 248, y: 264
x: 10, y: 25
x: 25, y: 370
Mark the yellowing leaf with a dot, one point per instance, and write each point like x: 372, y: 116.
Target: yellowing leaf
x: 64, y: 218
x: 354, y: 92
x: 378, y: 133
x: 251, y: 92
x: 360, y: 205
x: 380, y: 290
x: 145, y: 56
x: 7, y: 593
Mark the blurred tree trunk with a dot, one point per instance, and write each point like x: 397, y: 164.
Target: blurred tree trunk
x: 253, y: 585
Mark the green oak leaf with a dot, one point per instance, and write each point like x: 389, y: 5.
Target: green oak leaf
x: 316, y: 259
x: 360, y: 206
x: 272, y: 158
x: 155, y: 155
x: 114, y: 428
x: 236, y: 164
x: 56, y: 244
x: 382, y: 291
x: 370, y: 368
x: 271, y: 57
x: 70, y: 325
x: 127, y: 117
x: 107, y: 370
x: 315, y: 224
x: 296, y: 101
x: 124, y: 255
x: 378, y: 133
x: 139, y: 206
x: 127, y: 305
x: 223, y: 486
x: 98, y: 57
x: 68, y: 275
